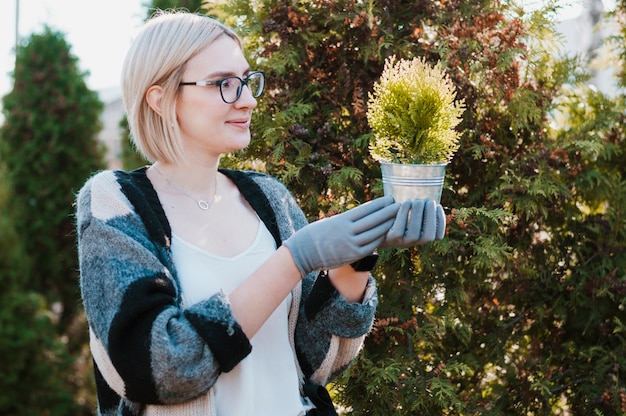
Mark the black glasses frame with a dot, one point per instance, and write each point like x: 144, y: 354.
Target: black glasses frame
x: 242, y: 83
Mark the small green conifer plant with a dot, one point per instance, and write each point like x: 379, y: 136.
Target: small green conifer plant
x: 413, y: 113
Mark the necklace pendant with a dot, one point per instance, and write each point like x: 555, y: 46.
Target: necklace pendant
x: 203, y: 205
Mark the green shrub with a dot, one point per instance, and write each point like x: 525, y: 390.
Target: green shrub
x: 413, y: 113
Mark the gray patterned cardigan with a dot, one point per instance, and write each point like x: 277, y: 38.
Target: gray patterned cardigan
x: 148, y: 348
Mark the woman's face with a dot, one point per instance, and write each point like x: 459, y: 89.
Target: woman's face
x: 208, y: 125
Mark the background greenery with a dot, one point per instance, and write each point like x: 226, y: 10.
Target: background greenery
x: 48, y: 147
x: 519, y: 311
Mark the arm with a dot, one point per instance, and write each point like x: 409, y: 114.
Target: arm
x: 258, y: 296
x: 350, y: 284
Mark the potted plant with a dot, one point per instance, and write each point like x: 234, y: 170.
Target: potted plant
x: 413, y: 113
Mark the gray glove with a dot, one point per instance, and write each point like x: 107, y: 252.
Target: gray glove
x: 342, y: 238
x: 417, y: 222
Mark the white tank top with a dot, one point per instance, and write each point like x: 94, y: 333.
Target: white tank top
x: 265, y: 383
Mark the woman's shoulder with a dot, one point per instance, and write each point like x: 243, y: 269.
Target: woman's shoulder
x: 112, y: 195
x: 112, y: 179
x: 103, y: 195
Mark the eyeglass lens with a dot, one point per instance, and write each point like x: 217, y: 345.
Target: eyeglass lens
x: 231, y: 87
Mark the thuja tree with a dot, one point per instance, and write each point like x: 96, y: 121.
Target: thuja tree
x: 130, y: 157
x: 32, y: 357
x: 520, y: 309
x: 531, y: 304
x: 49, y: 147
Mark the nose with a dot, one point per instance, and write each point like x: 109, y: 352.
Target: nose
x: 246, y: 100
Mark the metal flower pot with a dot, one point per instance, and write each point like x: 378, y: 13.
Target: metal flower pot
x: 405, y: 181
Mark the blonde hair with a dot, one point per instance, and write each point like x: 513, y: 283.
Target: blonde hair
x: 158, y: 56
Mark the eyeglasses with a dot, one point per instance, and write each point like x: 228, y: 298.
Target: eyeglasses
x: 231, y: 87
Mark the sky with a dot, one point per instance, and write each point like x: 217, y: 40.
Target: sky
x: 99, y: 32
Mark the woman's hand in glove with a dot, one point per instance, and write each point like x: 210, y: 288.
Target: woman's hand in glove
x: 342, y: 238
x: 417, y: 222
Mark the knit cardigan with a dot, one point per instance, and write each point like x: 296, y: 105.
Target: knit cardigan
x: 154, y: 355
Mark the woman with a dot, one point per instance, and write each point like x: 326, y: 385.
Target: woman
x: 205, y: 289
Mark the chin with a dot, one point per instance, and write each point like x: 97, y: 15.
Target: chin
x: 240, y: 144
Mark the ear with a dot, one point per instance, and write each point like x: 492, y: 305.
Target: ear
x: 153, y: 98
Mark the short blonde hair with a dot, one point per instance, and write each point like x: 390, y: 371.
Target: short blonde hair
x: 158, y: 56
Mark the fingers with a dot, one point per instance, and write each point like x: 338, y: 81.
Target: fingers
x: 415, y: 228
x: 383, y: 215
x: 372, y: 238
x: 398, y: 230
x: 426, y: 223
x: 441, y: 223
x: 429, y: 223
x: 368, y: 208
x: 383, y: 223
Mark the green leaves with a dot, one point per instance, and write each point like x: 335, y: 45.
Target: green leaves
x: 413, y: 112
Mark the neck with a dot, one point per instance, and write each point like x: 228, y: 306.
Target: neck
x: 198, y: 180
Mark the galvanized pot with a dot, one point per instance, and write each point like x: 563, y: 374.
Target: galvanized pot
x: 406, y: 181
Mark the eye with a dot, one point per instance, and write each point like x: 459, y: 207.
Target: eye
x: 228, y: 83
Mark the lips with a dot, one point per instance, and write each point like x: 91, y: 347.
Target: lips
x: 241, y: 123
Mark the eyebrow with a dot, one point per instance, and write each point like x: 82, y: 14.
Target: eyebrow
x: 225, y: 74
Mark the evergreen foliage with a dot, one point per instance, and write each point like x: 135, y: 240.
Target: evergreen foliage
x: 520, y: 310
x: 130, y: 157
x: 413, y: 113
x: 32, y: 358
x: 49, y: 146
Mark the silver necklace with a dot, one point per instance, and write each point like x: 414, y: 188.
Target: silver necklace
x: 202, y: 204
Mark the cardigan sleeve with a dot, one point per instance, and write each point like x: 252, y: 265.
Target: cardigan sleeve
x: 147, y: 348
x: 330, y: 330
